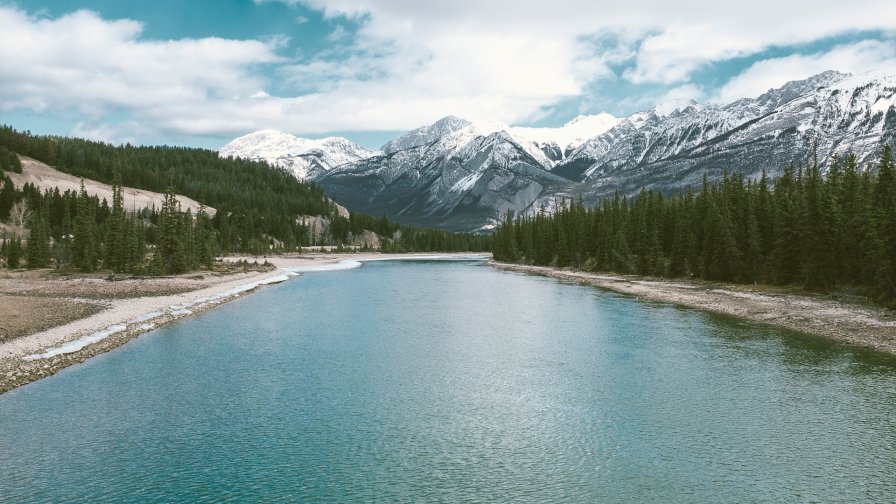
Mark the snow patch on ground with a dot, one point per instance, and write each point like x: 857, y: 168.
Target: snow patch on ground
x: 341, y: 265
x: 142, y: 323
x: 145, y: 317
x: 74, y: 346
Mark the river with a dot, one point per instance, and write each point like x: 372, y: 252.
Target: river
x: 452, y: 381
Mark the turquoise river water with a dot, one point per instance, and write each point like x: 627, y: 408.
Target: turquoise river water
x: 454, y: 382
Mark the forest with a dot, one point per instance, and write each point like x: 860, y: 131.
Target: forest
x: 821, y: 233
x: 260, y: 209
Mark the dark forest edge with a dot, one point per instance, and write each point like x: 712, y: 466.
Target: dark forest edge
x: 821, y: 233
x: 260, y: 210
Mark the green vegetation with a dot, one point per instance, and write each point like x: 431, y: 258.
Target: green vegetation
x: 398, y: 238
x: 821, y: 233
x: 9, y: 161
x: 256, y: 204
x: 260, y: 210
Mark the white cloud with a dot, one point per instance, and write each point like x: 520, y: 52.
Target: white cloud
x: 91, y: 66
x: 670, y: 39
x: 512, y: 60
x: 683, y: 93
x: 401, y: 63
x: 771, y: 73
x: 339, y: 33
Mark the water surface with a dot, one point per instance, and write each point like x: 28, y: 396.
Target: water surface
x: 417, y: 381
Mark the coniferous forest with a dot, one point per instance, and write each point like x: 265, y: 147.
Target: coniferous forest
x: 822, y: 233
x: 260, y: 209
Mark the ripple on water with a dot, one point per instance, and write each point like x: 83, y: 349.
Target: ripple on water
x: 453, y: 382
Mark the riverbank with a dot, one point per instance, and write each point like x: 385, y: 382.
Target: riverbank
x: 49, y: 322
x: 327, y: 261
x: 855, y: 322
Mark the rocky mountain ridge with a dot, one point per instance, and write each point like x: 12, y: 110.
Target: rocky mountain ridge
x: 462, y: 175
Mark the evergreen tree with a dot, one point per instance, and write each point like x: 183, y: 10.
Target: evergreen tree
x: 168, y: 256
x: 7, y: 197
x: 13, y: 252
x: 38, y: 249
x: 885, y: 200
x: 84, y: 241
x: 803, y: 229
x: 116, y: 257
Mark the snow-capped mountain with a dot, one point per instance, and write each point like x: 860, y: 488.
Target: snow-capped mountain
x: 305, y: 158
x: 840, y: 114
x: 547, y: 145
x: 557, y: 143
x: 462, y: 175
x: 456, y: 179
x: 673, y: 128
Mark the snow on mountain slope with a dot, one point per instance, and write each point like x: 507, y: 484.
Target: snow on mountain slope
x: 458, y: 180
x: 462, y: 175
x: 303, y: 157
x: 425, y: 135
x: 556, y: 143
x: 675, y: 128
x: 831, y: 112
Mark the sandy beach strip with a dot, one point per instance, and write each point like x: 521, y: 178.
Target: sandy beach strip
x: 31, y: 357
x: 44, y: 353
x: 855, y: 323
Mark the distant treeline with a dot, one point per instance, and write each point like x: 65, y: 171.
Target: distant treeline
x: 78, y: 231
x: 399, y: 238
x: 822, y: 233
x: 260, y: 209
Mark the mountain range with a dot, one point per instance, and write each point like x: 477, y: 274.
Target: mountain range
x: 462, y: 175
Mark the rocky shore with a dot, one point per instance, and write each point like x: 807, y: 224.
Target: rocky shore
x: 851, y: 321
x: 50, y: 321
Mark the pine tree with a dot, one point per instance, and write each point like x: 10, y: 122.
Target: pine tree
x: 116, y: 257
x: 818, y: 264
x: 7, y: 197
x: 786, y: 250
x: 38, y: 249
x: 13, y: 252
x: 204, y: 242
x: 885, y: 202
x: 84, y: 243
x: 166, y: 259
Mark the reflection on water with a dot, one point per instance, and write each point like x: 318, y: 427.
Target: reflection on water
x: 434, y: 381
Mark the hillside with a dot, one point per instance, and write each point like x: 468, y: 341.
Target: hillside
x: 45, y: 177
x: 251, y: 207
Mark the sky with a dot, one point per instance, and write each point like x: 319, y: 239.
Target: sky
x: 202, y: 72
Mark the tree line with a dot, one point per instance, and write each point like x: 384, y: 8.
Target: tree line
x: 260, y: 209
x: 75, y: 230
x: 818, y: 232
x: 258, y: 203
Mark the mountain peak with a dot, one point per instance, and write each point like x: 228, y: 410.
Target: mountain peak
x: 304, y: 157
x: 573, y: 133
x: 477, y: 170
x: 671, y: 107
x: 426, y: 134
x: 775, y: 97
x: 601, y: 118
